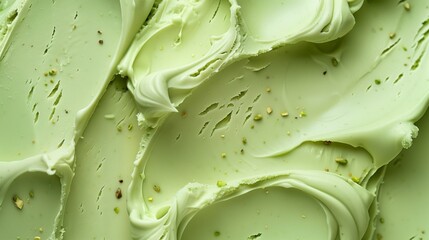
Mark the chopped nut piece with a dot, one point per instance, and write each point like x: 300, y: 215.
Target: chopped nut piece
x: 269, y: 110
x: 268, y: 90
x: 52, y: 72
x: 334, y: 62
x: 18, y: 202
x: 221, y: 183
x: 244, y: 140
x: 118, y: 193
x: 257, y: 117
x: 355, y: 179
x: 392, y: 35
x: 157, y: 188
x: 327, y: 142
x: 407, y: 6
x: 284, y: 114
x: 341, y: 161
x: 116, y: 210
x: 223, y: 155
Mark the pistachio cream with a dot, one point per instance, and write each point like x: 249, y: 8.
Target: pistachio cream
x: 226, y: 119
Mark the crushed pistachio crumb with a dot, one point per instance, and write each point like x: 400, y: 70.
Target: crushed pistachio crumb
x: 118, y: 193
x: 221, y: 183
x: 157, y: 188
x: 150, y: 199
x: 222, y: 136
x: 52, y: 72
x: 216, y: 234
x: 377, y: 81
x: 244, y: 140
x: 116, y: 210
x: 355, y: 179
x: 284, y: 114
x: 392, y: 35
x: 100, y: 42
x: 257, y: 117
x: 302, y: 114
x: 223, y: 155
x: 40, y: 229
x: 119, y: 128
x: 37, y: 238
x: 19, y: 203
x: 130, y: 127
x: 268, y: 90
x: 334, y: 62
x: 407, y: 6
x: 31, y: 194
x: 341, y: 161
x: 269, y: 110
x: 381, y: 220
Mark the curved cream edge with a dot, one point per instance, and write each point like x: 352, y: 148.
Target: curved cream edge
x: 57, y: 162
x: 382, y: 138
x: 152, y: 89
x: 61, y: 161
x: 331, y: 20
x: 9, y: 17
x: 345, y: 202
x: 155, y: 89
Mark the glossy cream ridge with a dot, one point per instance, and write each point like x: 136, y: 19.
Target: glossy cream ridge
x: 178, y: 62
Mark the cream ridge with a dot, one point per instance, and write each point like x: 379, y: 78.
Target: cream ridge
x: 228, y: 119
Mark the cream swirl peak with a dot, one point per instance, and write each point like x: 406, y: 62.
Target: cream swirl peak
x: 194, y: 119
x: 208, y: 36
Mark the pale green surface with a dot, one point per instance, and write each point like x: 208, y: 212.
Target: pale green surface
x: 41, y: 194
x: 199, y: 72
x: 300, y: 217
x: 405, y: 193
x: 101, y: 161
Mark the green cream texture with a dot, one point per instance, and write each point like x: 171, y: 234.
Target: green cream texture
x: 193, y: 119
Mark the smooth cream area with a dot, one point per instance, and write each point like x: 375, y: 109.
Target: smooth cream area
x: 209, y: 35
x: 301, y: 217
x: 355, y: 98
x: 404, y: 193
x: 104, y: 162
